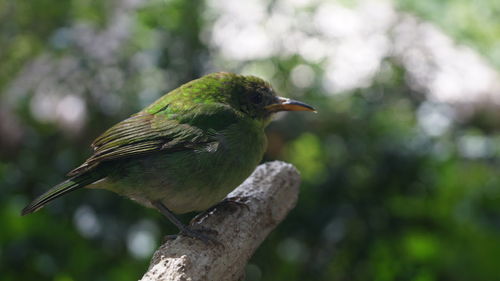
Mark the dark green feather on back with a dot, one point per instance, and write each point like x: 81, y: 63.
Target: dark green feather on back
x: 146, y: 133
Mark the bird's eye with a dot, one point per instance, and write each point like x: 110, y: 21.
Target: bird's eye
x: 256, y: 98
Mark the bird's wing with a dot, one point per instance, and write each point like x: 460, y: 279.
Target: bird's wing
x: 146, y: 133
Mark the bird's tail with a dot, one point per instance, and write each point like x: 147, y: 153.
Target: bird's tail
x: 57, y: 191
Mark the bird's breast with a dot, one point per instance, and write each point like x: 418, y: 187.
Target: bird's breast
x: 217, y: 170
x: 194, y: 180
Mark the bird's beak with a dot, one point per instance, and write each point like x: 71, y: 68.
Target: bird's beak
x: 285, y: 104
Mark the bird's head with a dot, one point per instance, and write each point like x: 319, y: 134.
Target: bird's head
x: 253, y: 96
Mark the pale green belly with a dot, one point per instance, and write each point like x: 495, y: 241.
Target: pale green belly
x: 186, y: 181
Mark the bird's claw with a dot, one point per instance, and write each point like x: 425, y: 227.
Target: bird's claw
x: 196, y: 233
x: 169, y: 237
x: 234, y: 202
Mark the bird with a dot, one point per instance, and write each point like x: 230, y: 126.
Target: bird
x: 186, y: 151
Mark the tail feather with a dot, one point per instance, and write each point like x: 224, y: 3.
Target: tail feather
x: 57, y: 191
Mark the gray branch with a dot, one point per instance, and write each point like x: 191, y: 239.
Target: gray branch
x: 270, y: 193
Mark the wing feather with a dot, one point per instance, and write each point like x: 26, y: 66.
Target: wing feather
x: 142, y: 134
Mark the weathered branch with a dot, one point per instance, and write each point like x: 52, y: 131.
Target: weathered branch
x: 270, y: 193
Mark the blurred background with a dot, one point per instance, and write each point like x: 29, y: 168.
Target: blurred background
x: 399, y: 166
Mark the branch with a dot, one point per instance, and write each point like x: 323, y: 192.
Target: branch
x: 270, y: 193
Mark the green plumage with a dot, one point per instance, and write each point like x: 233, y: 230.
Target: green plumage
x: 187, y: 150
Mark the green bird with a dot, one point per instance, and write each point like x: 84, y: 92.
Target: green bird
x: 186, y: 151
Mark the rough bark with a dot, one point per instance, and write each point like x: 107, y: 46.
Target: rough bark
x: 270, y: 193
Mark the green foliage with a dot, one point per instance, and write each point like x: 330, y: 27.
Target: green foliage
x: 472, y: 22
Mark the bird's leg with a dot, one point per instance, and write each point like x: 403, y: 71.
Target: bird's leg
x: 184, y: 229
x: 235, y: 202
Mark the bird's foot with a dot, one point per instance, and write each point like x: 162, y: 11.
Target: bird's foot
x: 235, y: 202
x: 188, y: 231
x: 201, y: 233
